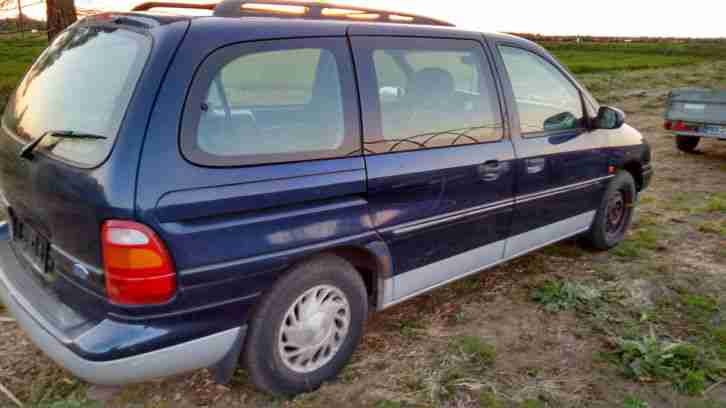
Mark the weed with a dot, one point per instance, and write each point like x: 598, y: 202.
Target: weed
x: 70, y: 403
x: 715, y: 203
x: 644, y: 239
x: 705, y: 404
x: 680, y: 202
x: 699, y: 307
x: 533, y: 403
x: 683, y: 364
x: 634, y: 402
x: 474, y: 350
x: 410, y: 328
x: 487, y: 399
x: 388, y: 404
x: 557, y: 296
x: 693, y: 384
x: 713, y: 227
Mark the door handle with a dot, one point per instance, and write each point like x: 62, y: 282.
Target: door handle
x: 535, y: 166
x: 492, y: 170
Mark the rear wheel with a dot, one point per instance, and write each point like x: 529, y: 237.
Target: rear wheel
x: 615, y: 213
x: 306, y: 327
x: 687, y: 143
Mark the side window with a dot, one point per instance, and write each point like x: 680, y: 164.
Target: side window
x: 546, y: 99
x: 270, y: 103
x: 431, y: 93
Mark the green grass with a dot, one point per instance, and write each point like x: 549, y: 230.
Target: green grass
x: 649, y: 358
x: 717, y: 227
x: 635, y: 246
x: 715, y: 203
x: 596, y: 57
x: 16, y: 55
x: 474, y: 350
x: 634, y: 402
x: 557, y: 296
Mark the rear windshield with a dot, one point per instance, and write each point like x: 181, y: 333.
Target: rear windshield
x: 82, y: 83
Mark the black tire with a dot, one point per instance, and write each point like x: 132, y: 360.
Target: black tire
x: 262, y: 356
x: 609, y: 227
x: 687, y: 143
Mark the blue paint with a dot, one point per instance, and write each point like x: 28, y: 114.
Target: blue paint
x: 232, y: 231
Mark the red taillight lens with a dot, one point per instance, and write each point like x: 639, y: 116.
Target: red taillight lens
x: 139, y: 270
x: 668, y: 125
x: 680, y: 126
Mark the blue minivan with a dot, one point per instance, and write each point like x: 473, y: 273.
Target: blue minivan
x: 243, y: 187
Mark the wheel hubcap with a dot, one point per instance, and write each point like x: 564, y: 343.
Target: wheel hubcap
x: 617, y: 210
x: 314, y: 329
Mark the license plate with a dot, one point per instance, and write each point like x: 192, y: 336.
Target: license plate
x: 35, y: 247
x: 714, y: 130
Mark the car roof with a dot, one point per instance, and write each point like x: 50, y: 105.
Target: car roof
x: 259, y: 28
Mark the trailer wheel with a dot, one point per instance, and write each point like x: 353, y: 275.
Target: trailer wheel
x: 687, y: 143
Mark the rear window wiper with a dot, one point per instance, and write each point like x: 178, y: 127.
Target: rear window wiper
x: 27, y: 151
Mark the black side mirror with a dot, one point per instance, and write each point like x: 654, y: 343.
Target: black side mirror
x: 609, y: 118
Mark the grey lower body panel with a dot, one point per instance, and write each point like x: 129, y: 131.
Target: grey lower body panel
x: 410, y: 284
x: 210, y: 351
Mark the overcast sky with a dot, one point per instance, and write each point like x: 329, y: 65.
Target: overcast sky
x: 694, y: 18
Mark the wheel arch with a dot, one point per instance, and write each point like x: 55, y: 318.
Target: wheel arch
x: 635, y: 169
x: 373, y: 261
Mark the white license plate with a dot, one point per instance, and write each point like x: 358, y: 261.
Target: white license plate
x: 714, y: 130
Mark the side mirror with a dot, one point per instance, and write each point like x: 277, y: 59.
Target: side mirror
x: 561, y: 121
x: 609, y: 118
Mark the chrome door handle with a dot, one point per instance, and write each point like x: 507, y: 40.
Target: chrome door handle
x: 535, y: 166
x: 492, y: 170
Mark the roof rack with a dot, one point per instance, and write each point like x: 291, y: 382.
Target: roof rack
x: 297, y: 9
x: 174, y: 5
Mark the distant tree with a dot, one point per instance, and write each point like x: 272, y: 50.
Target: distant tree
x: 60, y: 14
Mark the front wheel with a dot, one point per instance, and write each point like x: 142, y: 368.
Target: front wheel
x: 615, y: 213
x: 306, y: 327
x: 687, y: 143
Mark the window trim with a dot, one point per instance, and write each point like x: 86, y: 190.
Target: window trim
x: 211, y: 66
x: 363, y: 48
x: 544, y: 133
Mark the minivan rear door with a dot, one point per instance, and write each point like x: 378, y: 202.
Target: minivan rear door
x: 96, y: 79
x: 267, y: 167
x: 439, y: 162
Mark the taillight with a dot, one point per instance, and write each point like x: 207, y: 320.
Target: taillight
x: 139, y: 270
x: 668, y: 125
x: 680, y: 126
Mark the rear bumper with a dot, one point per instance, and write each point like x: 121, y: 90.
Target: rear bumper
x: 218, y: 350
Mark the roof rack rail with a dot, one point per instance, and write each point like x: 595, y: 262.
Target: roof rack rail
x: 297, y: 9
x: 171, y: 4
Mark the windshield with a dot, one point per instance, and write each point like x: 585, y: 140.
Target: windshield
x: 82, y: 83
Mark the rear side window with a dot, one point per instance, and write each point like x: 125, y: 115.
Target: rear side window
x: 82, y: 83
x: 431, y: 93
x: 546, y: 100
x: 271, y: 102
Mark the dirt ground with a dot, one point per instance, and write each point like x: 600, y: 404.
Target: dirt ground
x: 668, y: 279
